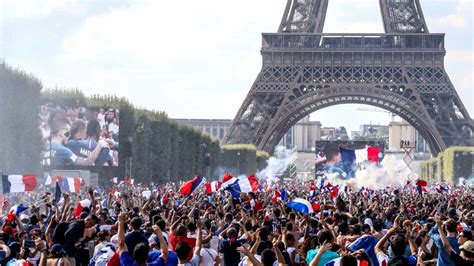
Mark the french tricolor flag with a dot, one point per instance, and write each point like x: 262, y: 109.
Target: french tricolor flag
x: 114, y: 180
x: 301, y: 205
x: 86, y: 203
x: 440, y: 188
x: 192, y: 185
x: 127, y: 181
x: 72, y: 184
x: 244, y: 185
x: 212, y: 187
x: 312, y: 190
x: 279, y: 195
x: 15, y: 211
x: 228, y: 180
x: 18, y: 183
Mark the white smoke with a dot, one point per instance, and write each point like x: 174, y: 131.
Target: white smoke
x: 277, y: 164
x: 392, y: 172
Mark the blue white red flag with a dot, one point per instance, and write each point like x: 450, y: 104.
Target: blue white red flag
x: 244, y: 184
x: 192, y: 185
x: 301, y: 205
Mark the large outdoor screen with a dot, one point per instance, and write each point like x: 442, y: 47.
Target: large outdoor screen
x: 78, y: 136
x: 346, y: 157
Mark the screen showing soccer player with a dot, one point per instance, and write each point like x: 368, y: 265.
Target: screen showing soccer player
x: 76, y: 136
x: 344, y: 158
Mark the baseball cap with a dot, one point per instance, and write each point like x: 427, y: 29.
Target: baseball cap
x: 368, y: 221
x: 105, y: 227
x: 468, y: 246
x: 56, y: 249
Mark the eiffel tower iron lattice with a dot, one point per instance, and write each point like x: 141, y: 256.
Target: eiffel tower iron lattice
x: 304, y: 70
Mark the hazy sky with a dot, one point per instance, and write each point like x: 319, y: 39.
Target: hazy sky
x: 194, y: 59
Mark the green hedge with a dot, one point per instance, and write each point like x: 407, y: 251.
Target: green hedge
x: 262, y: 158
x: 239, y: 159
x: 452, y: 163
x: 423, y: 171
x: 433, y: 165
x: 20, y: 141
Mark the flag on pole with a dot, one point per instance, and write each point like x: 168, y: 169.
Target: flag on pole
x: 228, y: 180
x: 279, y: 195
x: 18, y: 183
x: 71, y: 184
x: 192, y: 185
x: 16, y: 210
x: 57, y: 193
x: 244, y: 185
x: 86, y: 203
x: 214, y: 186
x: 127, y: 181
x: 441, y: 188
x: 421, y: 186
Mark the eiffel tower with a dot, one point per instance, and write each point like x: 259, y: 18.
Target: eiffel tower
x: 304, y: 70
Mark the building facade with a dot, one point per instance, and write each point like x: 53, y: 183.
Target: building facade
x: 302, y: 135
x: 374, y: 131
x: 402, y: 131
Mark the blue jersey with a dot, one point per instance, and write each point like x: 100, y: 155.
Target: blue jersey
x: 327, y: 168
x: 61, y: 156
x: 83, y: 148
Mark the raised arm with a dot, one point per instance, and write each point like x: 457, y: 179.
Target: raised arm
x: 324, y: 247
x: 122, y: 247
x: 197, y: 249
x: 163, y: 245
x: 147, y: 204
x: 381, y: 243
x: 442, y: 234
x: 47, y: 233
x: 250, y: 256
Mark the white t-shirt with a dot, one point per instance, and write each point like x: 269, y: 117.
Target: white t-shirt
x: 214, y: 243
x: 208, y: 256
x: 101, y: 119
x: 193, y: 262
x: 113, y: 128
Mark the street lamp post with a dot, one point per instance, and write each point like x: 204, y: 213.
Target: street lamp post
x: 238, y: 162
x: 208, y: 164
x: 206, y: 159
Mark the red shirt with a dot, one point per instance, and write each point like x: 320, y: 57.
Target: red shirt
x: 174, y: 240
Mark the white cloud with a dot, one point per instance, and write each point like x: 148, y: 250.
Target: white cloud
x: 188, y: 58
x: 21, y: 9
x: 158, y: 53
x: 461, y: 18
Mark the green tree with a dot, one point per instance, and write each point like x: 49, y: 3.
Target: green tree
x: 20, y: 136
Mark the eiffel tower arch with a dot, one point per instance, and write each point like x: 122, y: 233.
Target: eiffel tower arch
x: 304, y: 70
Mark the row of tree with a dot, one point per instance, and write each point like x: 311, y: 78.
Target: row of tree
x: 152, y: 146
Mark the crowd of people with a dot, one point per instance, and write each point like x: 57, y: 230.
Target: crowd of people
x: 75, y: 136
x: 123, y: 226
